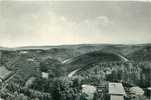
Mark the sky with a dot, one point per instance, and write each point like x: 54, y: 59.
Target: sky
x: 33, y: 23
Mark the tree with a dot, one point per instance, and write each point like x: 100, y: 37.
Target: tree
x: 52, y: 66
x: 21, y: 97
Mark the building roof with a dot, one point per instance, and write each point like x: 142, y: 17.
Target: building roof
x: 136, y: 91
x: 115, y: 97
x: 88, y: 89
x: 4, y: 73
x: 116, y: 89
x: 149, y: 88
x: 45, y: 75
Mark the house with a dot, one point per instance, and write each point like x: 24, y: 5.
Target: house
x: 4, y: 73
x: 89, y: 90
x: 45, y: 75
x: 116, y: 91
x: 136, y: 91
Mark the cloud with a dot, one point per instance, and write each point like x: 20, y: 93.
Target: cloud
x: 104, y: 20
x: 42, y: 24
x: 50, y: 28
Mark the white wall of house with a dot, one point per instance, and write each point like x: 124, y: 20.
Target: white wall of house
x: 45, y: 75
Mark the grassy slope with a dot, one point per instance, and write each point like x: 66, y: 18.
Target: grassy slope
x: 88, y: 59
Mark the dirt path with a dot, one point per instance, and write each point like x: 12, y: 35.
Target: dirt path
x: 73, y: 72
x: 124, y: 58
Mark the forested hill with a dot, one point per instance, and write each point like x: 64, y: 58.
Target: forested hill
x: 64, y: 52
x: 93, y: 63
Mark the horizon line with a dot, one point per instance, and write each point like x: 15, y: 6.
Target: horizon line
x: 74, y: 44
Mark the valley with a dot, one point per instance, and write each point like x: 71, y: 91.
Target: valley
x: 60, y: 72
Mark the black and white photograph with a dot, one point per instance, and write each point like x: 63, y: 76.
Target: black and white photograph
x: 75, y: 50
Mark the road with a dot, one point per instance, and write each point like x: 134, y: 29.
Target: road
x: 68, y: 60
x: 124, y: 58
x: 74, y: 71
